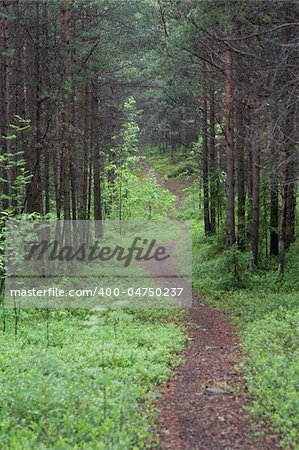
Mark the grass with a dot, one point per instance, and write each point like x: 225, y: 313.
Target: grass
x: 87, y: 383
x: 181, y: 164
x: 267, y: 312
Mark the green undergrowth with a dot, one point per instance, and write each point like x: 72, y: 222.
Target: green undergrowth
x: 266, y: 310
x: 144, y: 199
x: 180, y: 164
x: 81, y: 380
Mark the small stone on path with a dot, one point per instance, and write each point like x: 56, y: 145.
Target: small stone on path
x: 216, y: 390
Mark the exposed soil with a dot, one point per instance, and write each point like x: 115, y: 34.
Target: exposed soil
x: 203, y: 405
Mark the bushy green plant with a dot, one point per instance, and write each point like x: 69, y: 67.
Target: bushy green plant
x: 14, y: 165
x: 272, y: 370
x: 144, y: 199
x: 90, y: 385
x: 235, y: 264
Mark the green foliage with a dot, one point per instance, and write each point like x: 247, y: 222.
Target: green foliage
x: 88, y: 385
x: 130, y: 195
x: 143, y: 198
x: 192, y: 204
x: 14, y: 165
x: 267, y: 312
x: 272, y: 370
x: 216, y: 269
x: 182, y: 163
x: 235, y: 264
x: 130, y: 130
x: 4, y: 215
x: 8, y: 163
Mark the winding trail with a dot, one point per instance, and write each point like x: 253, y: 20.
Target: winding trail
x: 202, y: 406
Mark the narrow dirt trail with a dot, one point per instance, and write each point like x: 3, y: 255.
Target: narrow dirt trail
x: 202, y: 406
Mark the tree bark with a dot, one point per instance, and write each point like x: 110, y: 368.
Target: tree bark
x: 274, y: 204
x: 255, y: 225
x: 213, y: 161
x: 65, y: 151
x: 205, y: 164
x: 97, y: 166
x: 34, y: 189
x: 241, y: 179
x: 230, y: 168
x: 4, y: 96
x: 288, y: 204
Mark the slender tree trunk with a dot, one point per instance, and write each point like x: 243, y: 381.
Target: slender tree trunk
x: 34, y: 189
x: 255, y: 225
x: 97, y: 167
x: 290, y: 142
x: 15, y: 88
x: 230, y: 168
x: 213, y: 161
x: 4, y: 98
x: 274, y: 205
x: 287, y: 214
x: 73, y: 188
x: 65, y: 152
x: 241, y: 179
x: 89, y: 184
x: 82, y: 210
x: 205, y: 165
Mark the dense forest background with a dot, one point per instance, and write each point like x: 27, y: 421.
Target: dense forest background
x: 97, y: 97
x: 220, y: 83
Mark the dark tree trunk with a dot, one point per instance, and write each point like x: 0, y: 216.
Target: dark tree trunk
x: 34, y: 189
x: 97, y: 167
x: 73, y: 188
x: 287, y: 220
x: 213, y: 161
x: 65, y: 151
x: 241, y: 179
x: 4, y: 96
x: 82, y: 207
x: 256, y: 155
x: 274, y: 204
x: 230, y: 168
x: 290, y: 141
x: 205, y: 165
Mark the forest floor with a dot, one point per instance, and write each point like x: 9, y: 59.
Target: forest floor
x: 204, y: 405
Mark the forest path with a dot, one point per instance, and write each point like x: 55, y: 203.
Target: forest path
x: 202, y: 406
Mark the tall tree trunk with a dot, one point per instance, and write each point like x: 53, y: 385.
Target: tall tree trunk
x: 205, y: 164
x: 97, y: 167
x: 34, y: 189
x: 241, y: 111
x: 213, y: 161
x: 290, y: 141
x: 4, y: 97
x: 230, y: 167
x: 65, y: 151
x: 73, y: 187
x: 274, y: 205
x: 90, y: 174
x: 287, y: 214
x: 255, y: 225
x: 82, y: 209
